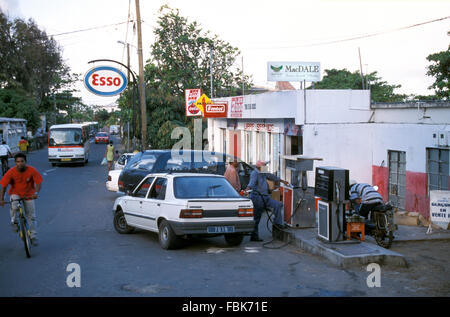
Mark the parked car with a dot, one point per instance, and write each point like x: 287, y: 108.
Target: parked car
x: 101, y: 137
x: 177, y: 205
x: 113, y: 179
x: 113, y: 175
x: 122, y: 161
x: 188, y: 161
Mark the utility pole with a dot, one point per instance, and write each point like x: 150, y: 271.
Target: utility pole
x: 141, y: 81
x: 211, y: 69
x: 360, y: 67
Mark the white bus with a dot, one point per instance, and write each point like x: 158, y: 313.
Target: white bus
x: 68, y: 143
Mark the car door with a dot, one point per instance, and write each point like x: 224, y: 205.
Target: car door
x: 244, y: 174
x: 155, y: 202
x: 133, y: 207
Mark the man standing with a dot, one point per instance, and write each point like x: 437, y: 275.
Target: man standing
x: 232, y: 176
x: 26, y: 182
x: 23, y: 145
x: 261, y: 198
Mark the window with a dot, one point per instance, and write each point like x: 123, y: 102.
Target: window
x: 65, y: 137
x: 159, y: 189
x: 438, y: 169
x: 143, y: 189
x: 397, y: 178
x: 261, y: 146
x: 249, y: 147
x: 203, y: 187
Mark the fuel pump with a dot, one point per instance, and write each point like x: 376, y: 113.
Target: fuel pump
x: 332, y: 186
x: 298, y: 200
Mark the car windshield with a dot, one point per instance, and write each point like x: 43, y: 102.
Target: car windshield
x: 203, y: 187
x: 65, y: 137
x: 102, y: 134
x: 146, y: 162
x: 206, y: 163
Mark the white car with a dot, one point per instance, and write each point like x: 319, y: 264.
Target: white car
x: 123, y: 160
x: 112, y: 184
x: 180, y: 205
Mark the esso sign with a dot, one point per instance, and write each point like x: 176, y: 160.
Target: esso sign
x: 105, y: 81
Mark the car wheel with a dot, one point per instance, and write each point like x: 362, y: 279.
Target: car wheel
x: 53, y: 164
x: 234, y: 239
x: 167, y: 238
x: 120, y: 223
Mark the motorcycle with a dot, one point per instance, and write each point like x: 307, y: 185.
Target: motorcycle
x: 381, y: 225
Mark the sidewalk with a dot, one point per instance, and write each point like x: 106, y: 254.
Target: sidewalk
x: 356, y: 253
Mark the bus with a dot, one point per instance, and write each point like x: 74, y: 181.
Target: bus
x: 93, y: 128
x: 68, y: 143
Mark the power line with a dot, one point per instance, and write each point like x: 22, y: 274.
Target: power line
x: 357, y: 37
x: 90, y: 29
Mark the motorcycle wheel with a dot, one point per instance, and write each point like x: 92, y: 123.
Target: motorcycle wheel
x: 382, y: 234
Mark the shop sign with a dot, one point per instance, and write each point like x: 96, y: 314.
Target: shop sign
x: 440, y: 207
x: 216, y: 110
x: 293, y: 71
x: 105, y: 81
x: 236, y: 107
x: 261, y: 127
x: 191, y: 96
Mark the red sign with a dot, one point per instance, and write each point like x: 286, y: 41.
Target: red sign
x: 191, y: 96
x: 216, y: 110
x: 236, y: 107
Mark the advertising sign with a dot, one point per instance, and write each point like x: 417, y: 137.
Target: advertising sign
x: 105, y: 81
x: 236, y: 107
x: 202, y: 102
x: 191, y: 96
x: 293, y: 71
x: 216, y: 110
x: 440, y: 207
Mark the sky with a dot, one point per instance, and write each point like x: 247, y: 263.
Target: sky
x: 263, y: 30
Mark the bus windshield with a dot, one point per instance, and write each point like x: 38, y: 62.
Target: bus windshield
x: 68, y: 136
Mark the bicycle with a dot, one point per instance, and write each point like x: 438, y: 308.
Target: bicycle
x: 24, y: 229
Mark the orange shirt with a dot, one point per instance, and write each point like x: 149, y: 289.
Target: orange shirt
x: 22, y: 184
x: 232, y: 176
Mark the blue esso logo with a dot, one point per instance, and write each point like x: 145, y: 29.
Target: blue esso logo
x: 105, y: 81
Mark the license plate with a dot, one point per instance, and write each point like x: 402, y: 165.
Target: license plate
x: 65, y: 159
x: 224, y: 229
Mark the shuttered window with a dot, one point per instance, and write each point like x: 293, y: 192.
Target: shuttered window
x: 438, y: 169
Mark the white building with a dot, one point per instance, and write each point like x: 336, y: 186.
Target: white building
x: 401, y: 148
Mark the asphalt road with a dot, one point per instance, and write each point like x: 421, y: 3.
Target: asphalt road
x: 75, y: 226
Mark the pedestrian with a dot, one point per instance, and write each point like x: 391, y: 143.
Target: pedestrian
x: 25, y: 182
x: 5, y: 153
x: 261, y: 198
x: 23, y: 145
x: 109, y: 154
x: 232, y: 176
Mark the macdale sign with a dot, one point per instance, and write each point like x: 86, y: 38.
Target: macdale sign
x: 105, y: 81
x: 293, y: 71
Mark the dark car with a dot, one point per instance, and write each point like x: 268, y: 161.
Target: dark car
x: 189, y: 161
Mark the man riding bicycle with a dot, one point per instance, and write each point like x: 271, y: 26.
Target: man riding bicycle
x: 5, y: 153
x: 25, y: 181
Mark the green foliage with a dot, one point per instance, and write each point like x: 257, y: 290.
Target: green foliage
x: 181, y: 60
x: 440, y: 69
x: 31, y: 63
x: 380, y: 90
x: 15, y: 103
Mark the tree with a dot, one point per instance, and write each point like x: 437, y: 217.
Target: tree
x: 15, y: 103
x: 380, y: 91
x: 180, y: 59
x: 31, y: 63
x: 440, y: 69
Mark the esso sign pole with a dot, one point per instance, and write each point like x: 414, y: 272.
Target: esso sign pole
x: 105, y: 81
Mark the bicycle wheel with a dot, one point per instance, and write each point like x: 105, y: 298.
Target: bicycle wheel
x: 383, y: 234
x: 25, y: 236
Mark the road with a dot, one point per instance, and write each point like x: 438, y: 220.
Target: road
x: 75, y: 226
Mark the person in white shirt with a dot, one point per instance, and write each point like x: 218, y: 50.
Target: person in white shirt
x: 5, y: 153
